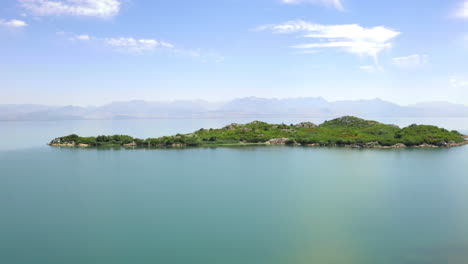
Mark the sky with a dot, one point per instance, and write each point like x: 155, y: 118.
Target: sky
x: 92, y: 52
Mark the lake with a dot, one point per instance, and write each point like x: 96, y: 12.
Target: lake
x: 249, y: 205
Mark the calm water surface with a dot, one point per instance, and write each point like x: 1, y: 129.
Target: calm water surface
x: 250, y: 205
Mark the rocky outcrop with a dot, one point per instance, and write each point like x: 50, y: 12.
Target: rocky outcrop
x: 68, y: 144
x: 278, y: 141
x: 375, y: 144
x: 305, y: 125
x: 425, y: 145
x: 132, y: 144
x: 232, y: 126
x: 59, y: 143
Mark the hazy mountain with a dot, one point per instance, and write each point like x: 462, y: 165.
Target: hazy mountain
x: 254, y: 106
x: 444, y: 109
x: 15, y: 112
x: 375, y: 107
x: 56, y: 113
x: 144, y: 109
x: 241, y: 107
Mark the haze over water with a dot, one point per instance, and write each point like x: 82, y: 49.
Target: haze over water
x: 227, y: 205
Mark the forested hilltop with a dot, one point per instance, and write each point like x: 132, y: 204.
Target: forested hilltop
x: 346, y: 131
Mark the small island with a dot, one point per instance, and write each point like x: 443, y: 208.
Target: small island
x: 348, y: 131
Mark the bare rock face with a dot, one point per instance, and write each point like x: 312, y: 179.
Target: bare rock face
x: 59, y: 143
x: 305, y: 125
x: 133, y: 144
x: 372, y: 144
x: 232, y: 126
x: 399, y: 145
x: 278, y: 141
x: 425, y: 145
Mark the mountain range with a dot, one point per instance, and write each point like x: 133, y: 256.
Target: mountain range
x: 241, y: 107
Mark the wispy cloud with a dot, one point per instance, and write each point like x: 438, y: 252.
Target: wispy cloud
x: 91, y: 8
x: 143, y: 46
x: 332, y: 3
x: 134, y: 45
x: 83, y: 37
x: 13, y: 23
x: 411, y: 61
x: 123, y: 44
x: 462, y: 10
x: 351, y: 38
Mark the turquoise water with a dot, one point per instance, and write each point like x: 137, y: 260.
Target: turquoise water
x: 258, y: 205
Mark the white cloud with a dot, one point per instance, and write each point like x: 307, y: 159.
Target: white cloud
x: 333, y: 3
x: 463, y: 10
x: 83, y: 37
x: 458, y: 82
x: 351, y: 38
x: 136, y: 45
x: 92, y: 8
x: 415, y: 60
x: 14, y: 23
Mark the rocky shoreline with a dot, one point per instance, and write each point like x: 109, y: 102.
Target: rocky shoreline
x: 375, y: 144
x: 279, y: 141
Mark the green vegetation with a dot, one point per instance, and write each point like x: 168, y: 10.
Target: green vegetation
x: 345, y: 131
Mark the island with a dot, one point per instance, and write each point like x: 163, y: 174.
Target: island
x: 347, y: 131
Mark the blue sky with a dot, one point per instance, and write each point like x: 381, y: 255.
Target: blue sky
x: 86, y: 52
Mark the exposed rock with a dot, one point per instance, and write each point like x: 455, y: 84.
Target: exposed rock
x: 305, y: 125
x: 372, y: 144
x: 278, y: 141
x: 288, y: 130
x: 133, y: 144
x: 399, y: 145
x: 55, y: 141
x: 232, y: 126
x: 58, y: 143
x: 425, y: 145
x: 455, y: 144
